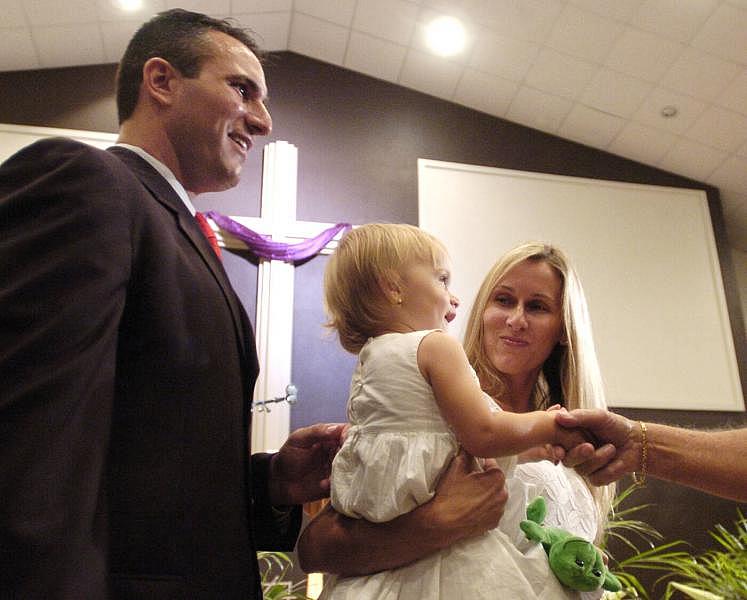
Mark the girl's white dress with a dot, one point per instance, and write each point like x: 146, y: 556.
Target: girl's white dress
x: 395, y: 450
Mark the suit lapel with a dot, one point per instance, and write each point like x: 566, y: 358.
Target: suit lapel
x: 162, y: 192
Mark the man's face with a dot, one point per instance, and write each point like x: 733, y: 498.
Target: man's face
x: 215, y: 116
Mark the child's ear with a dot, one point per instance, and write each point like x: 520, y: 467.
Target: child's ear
x: 391, y: 286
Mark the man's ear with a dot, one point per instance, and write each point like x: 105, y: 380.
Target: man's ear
x: 159, y: 79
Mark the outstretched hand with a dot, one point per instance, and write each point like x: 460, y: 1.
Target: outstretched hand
x: 618, y: 454
x: 300, y: 471
x: 553, y: 453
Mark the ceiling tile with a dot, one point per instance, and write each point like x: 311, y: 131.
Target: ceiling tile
x: 335, y: 11
x: 270, y: 29
x: 502, y: 56
x: 528, y: 20
x: 17, y: 50
x: 734, y: 95
x: 692, y: 159
x: 725, y: 34
x: 47, y: 12
x: 216, y: 8
x: 688, y: 109
x: 430, y: 74
x: 486, y: 93
x: 743, y: 150
x: 620, y: 10
x: 239, y: 7
x: 319, y: 39
x: 719, y: 128
x: 615, y: 93
x: 13, y: 15
x: 590, y: 126
x: 700, y: 75
x: 116, y: 36
x: 375, y: 57
x: 732, y: 175
x: 673, y: 19
x: 559, y: 74
x: 643, y: 54
x: 392, y: 20
x: 539, y: 110
x: 643, y: 144
x: 58, y: 45
x: 584, y: 34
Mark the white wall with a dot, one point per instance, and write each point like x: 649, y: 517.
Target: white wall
x: 15, y: 137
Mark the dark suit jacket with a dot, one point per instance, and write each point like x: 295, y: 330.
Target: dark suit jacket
x: 127, y: 366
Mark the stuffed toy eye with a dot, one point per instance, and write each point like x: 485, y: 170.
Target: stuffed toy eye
x: 597, y: 573
x: 579, y: 562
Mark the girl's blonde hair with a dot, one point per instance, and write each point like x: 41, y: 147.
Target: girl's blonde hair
x: 365, y: 261
x: 570, y: 376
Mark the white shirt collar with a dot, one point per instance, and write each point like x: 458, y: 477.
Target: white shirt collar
x: 165, y: 172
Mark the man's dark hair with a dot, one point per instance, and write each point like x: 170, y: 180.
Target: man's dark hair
x: 177, y: 36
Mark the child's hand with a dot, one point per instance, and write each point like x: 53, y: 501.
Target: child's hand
x: 570, y: 438
x: 546, y: 452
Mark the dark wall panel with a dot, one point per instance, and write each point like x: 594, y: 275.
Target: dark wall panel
x: 321, y: 368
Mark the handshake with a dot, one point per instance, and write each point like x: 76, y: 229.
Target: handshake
x: 600, y: 445
x: 710, y: 461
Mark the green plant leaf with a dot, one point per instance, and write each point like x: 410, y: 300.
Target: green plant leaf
x: 695, y: 593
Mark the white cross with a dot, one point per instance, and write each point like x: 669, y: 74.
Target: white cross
x: 274, y: 320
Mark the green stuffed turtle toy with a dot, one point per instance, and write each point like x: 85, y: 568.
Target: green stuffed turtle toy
x: 577, y: 563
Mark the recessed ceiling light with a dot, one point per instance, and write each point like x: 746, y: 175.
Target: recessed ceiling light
x: 669, y: 111
x: 129, y: 5
x: 446, y: 36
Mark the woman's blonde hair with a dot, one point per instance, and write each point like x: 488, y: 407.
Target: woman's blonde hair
x: 365, y: 261
x: 570, y: 376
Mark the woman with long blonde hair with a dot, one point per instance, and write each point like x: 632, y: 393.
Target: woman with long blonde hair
x: 529, y: 339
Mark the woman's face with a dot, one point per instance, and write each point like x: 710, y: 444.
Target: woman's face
x: 522, y: 321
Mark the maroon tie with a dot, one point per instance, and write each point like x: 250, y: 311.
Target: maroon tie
x: 208, y: 232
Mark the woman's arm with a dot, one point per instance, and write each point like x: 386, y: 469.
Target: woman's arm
x: 462, y: 404
x: 468, y: 501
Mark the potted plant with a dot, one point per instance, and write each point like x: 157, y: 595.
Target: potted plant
x: 275, y: 570
x: 719, y: 574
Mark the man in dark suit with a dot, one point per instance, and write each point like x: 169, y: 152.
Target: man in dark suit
x: 127, y: 363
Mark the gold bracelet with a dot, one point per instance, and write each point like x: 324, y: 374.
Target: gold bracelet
x: 640, y: 479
